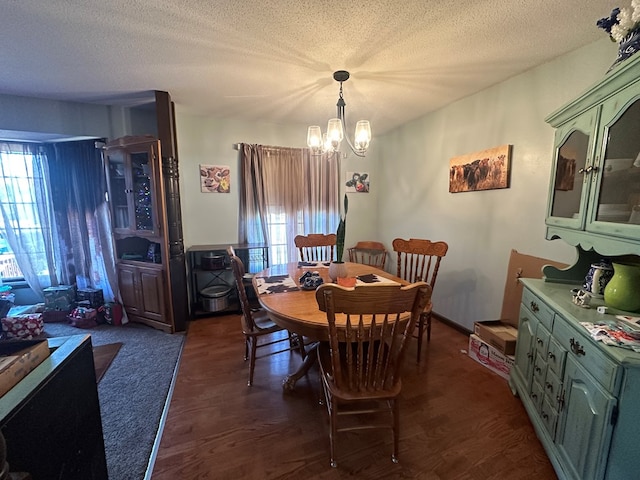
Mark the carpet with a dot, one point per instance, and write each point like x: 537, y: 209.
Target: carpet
x: 103, y: 355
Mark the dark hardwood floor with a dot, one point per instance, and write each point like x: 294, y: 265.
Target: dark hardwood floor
x: 458, y: 419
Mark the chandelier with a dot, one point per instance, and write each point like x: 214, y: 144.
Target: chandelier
x: 329, y: 142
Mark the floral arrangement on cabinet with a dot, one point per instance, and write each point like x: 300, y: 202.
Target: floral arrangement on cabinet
x: 622, y: 21
x: 623, y: 27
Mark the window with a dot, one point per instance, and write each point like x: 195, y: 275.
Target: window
x: 18, y: 201
x: 286, y: 192
x: 277, y: 223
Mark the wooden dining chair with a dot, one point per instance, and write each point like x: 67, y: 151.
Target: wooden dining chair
x: 258, y: 329
x: 360, y: 368
x: 369, y: 253
x: 419, y: 260
x: 316, y: 247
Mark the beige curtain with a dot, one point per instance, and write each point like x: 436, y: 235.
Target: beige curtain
x: 286, y: 192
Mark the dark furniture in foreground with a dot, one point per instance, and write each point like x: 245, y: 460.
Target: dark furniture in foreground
x: 51, y: 419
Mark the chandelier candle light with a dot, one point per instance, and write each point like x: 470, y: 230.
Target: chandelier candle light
x: 329, y: 142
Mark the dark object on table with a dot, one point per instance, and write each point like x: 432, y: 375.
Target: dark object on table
x: 368, y: 278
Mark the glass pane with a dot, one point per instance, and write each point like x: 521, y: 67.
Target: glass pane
x: 572, y: 157
x: 142, y: 194
x: 619, y: 199
x: 118, y: 187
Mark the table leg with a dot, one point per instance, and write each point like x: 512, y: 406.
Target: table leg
x: 289, y: 382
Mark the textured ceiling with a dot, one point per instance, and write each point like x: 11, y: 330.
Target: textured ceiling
x: 273, y: 60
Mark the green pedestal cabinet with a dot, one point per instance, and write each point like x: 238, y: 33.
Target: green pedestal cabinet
x: 582, y: 396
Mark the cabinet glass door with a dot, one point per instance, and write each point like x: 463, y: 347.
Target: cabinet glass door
x: 617, y: 209
x: 118, y: 189
x: 570, y: 182
x: 142, y: 191
x: 132, y: 187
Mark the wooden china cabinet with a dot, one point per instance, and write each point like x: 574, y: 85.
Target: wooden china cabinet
x: 144, y: 199
x: 581, y: 395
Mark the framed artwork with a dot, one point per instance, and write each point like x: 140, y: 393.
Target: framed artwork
x: 485, y: 170
x: 565, y: 173
x: 357, y: 182
x: 215, y: 179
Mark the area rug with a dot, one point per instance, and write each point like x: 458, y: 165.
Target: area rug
x: 133, y: 392
x: 103, y: 355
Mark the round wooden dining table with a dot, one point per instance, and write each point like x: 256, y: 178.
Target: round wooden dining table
x: 297, y: 309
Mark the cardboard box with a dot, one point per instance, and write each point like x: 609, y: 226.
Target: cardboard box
x: 490, y: 357
x: 520, y: 266
x: 93, y: 295
x: 62, y: 297
x: 498, y: 334
x: 18, y: 358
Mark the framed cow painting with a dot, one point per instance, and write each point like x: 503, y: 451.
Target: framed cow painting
x: 485, y: 170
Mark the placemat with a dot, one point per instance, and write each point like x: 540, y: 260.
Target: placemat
x: 313, y: 264
x: 373, y: 278
x: 276, y: 284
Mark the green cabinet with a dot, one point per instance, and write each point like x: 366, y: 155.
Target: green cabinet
x: 581, y: 395
x: 586, y: 428
x: 594, y: 193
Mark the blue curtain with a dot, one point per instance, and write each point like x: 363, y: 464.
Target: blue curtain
x: 78, y: 193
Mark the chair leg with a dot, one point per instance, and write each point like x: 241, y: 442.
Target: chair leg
x: 252, y: 360
x: 246, y: 348
x: 420, y: 333
x: 396, y: 429
x: 333, y: 428
x: 429, y: 327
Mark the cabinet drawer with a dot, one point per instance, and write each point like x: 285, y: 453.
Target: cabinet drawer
x: 582, y: 349
x: 540, y: 309
x: 549, y: 417
x: 542, y: 341
x: 556, y: 356
x: 552, y: 386
x: 539, y: 369
x: 537, y: 395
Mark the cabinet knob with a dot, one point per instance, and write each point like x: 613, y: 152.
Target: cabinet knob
x: 581, y: 170
x: 534, y: 307
x: 576, y: 347
x: 538, y: 369
x: 549, y: 386
x: 540, y: 341
x: 589, y: 169
x: 545, y: 416
x: 552, y: 356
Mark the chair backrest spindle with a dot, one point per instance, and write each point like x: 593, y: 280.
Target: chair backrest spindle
x: 316, y: 247
x: 378, y: 320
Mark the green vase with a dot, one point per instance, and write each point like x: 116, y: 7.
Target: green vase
x: 623, y: 290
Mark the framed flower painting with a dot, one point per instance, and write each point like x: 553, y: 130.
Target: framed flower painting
x: 215, y: 179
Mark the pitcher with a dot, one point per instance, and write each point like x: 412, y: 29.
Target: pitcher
x: 597, y: 278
